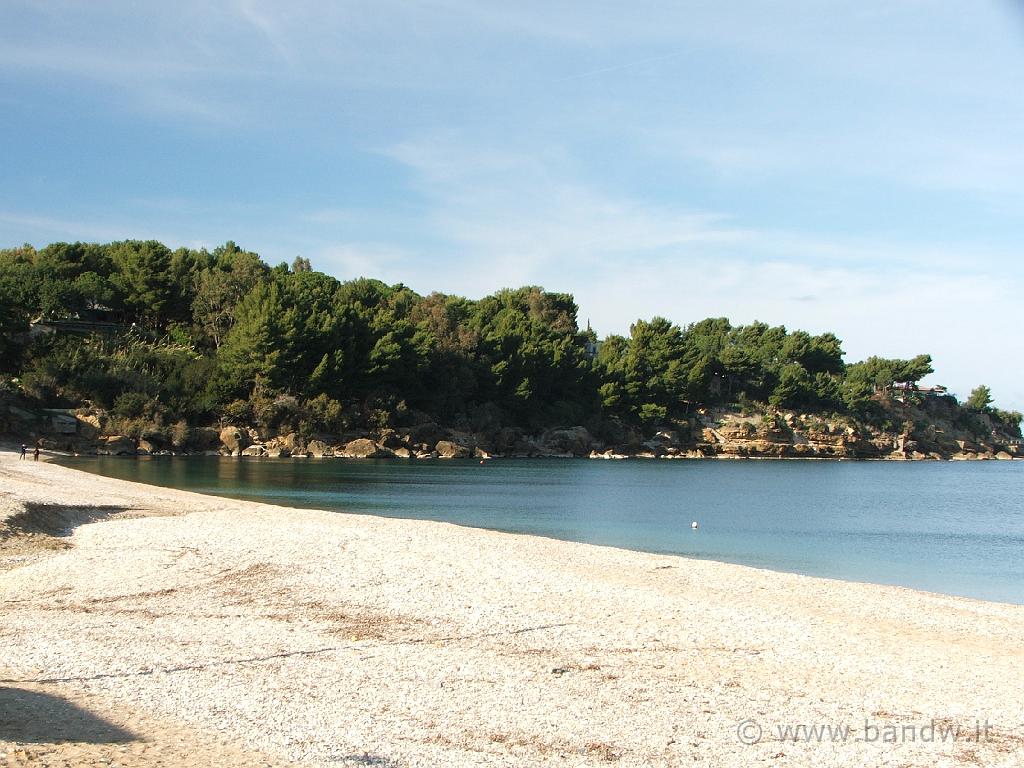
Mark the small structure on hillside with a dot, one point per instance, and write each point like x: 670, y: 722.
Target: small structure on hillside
x: 902, y: 389
x: 98, y: 319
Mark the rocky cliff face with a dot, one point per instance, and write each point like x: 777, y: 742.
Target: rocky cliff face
x: 910, y: 434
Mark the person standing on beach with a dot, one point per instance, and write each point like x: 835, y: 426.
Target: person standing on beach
x: 35, y: 454
x: 24, y: 450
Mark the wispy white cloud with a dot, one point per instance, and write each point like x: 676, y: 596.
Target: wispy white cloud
x: 252, y: 12
x: 531, y: 208
x: 893, y: 312
x: 519, y: 220
x: 905, y: 150
x: 814, y: 163
x: 94, y: 61
x: 28, y: 226
x: 40, y: 230
x: 351, y: 260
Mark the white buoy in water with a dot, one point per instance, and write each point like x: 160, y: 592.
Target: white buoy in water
x: 694, y: 525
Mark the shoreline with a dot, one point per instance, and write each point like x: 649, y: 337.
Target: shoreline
x: 52, y: 452
x: 766, y: 569
x: 723, y: 433
x: 425, y: 643
x: 737, y: 560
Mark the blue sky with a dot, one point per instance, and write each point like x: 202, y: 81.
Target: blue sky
x: 855, y: 167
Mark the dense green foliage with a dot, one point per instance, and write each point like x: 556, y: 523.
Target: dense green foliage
x: 980, y: 398
x: 194, y: 335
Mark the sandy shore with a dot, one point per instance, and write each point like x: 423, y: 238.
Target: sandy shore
x: 171, y: 628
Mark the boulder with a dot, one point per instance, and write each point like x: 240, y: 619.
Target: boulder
x: 524, y: 447
x: 969, y: 446
x: 467, y: 439
x: 655, y: 447
x: 505, y: 440
x: 669, y: 438
x: 364, y: 448
x: 203, y: 439
x: 234, y: 439
x: 289, y: 443
x: 572, y: 440
x: 609, y: 454
x: 389, y: 438
x: 116, y: 445
x: 145, y: 447
x: 319, y: 448
x: 403, y: 453
x: 255, y: 450
x: 446, y: 449
x: 89, y: 425
x: 428, y: 433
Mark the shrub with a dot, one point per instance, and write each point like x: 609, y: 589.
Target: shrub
x: 238, y: 412
x: 180, y: 434
x: 134, y: 405
x: 324, y: 414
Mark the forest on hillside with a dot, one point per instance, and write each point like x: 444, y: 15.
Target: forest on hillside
x: 162, y: 337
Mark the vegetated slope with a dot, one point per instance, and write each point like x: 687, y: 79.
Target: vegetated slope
x: 156, y: 347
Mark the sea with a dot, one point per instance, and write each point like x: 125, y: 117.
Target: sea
x: 949, y: 527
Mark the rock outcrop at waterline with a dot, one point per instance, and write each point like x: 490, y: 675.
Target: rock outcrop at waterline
x: 908, y: 434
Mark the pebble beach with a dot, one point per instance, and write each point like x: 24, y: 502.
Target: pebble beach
x: 153, y: 627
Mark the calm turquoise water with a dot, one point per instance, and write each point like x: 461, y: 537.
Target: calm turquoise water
x: 956, y: 528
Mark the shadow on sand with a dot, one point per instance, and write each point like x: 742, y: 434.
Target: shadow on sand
x: 41, y: 528
x: 31, y: 716
x: 55, y: 519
